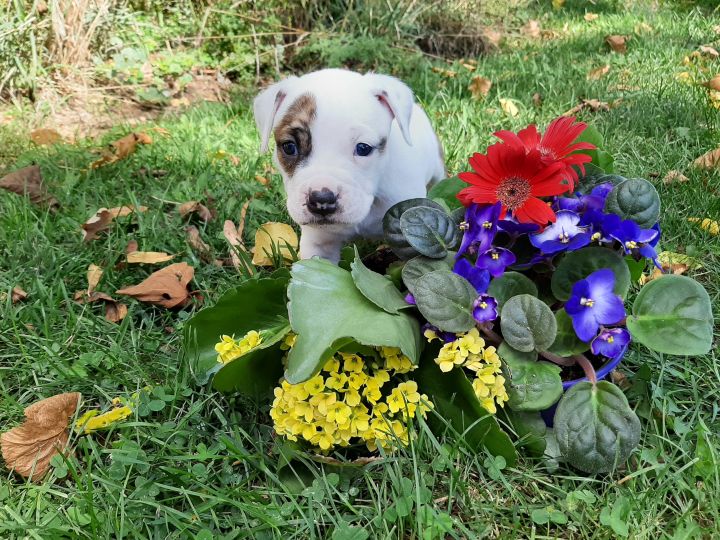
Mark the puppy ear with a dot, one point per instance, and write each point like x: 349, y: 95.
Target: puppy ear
x: 265, y: 107
x: 397, y: 97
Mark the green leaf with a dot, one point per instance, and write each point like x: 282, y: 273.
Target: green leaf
x: 601, y: 159
x: 391, y: 226
x: 376, y: 288
x: 254, y: 374
x: 429, y: 231
x: 511, y: 284
x: 673, y: 315
x: 528, y: 427
x: 566, y: 341
x: 256, y: 304
x: 445, y: 300
x: 532, y: 385
x: 579, y: 264
x: 636, y: 267
x: 616, y: 517
x: 527, y: 323
x: 456, y: 405
x: 447, y: 190
x: 327, y: 312
x: 707, y: 463
x: 635, y: 199
x: 421, y: 265
x: 595, y: 427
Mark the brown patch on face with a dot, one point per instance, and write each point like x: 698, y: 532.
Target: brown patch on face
x: 294, y: 127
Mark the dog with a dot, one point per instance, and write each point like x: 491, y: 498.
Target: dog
x: 349, y: 146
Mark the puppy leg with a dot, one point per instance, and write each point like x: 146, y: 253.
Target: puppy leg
x: 314, y: 242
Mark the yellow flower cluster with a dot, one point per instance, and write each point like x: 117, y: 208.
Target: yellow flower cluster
x: 469, y: 351
x: 230, y: 349
x: 350, y: 402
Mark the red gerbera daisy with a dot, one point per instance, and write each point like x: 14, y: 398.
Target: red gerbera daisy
x: 556, y: 144
x: 507, y: 173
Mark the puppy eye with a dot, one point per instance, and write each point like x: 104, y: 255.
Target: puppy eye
x: 289, y: 148
x: 363, y: 149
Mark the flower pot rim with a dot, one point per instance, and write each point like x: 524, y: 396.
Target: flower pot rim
x: 603, y: 371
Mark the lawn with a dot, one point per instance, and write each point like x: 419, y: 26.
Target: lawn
x: 198, y: 464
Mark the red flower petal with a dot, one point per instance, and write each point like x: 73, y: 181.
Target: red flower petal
x: 535, y: 211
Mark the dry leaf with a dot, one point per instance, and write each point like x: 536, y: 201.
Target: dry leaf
x: 161, y: 131
x: 17, y: 295
x: 273, y: 237
x: 448, y: 73
x: 28, y: 448
x: 148, y: 257
x: 234, y: 238
x: 45, y: 136
x: 598, y: 73
x: 594, y: 105
x: 617, y: 43
x: 558, y: 4
x: 262, y: 179
x: 222, y: 154
x: 509, y: 107
x: 642, y: 28
x: 197, y: 243
x: 114, y: 310
x: 28, y: 181
x: 194, y: 207
x: 709, y: 160
x: 620, y: 379
x: 121, y: 149
x: 537, y: 99
x: 589, y: 17
x: 710, y: 225
x: 714, y: 83
x: 94, y: 274
x: 675, y: 177
x: 708, y: 51
x: 668, y: 258
x: 531, y: 29
x: 492, y: 37
x: 469, y: 66
x: 480, y: 86
x: 132, y: 245
x: 166, y: 287
x: 102, y: 219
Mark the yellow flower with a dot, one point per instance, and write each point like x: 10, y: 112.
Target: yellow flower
x: 229, y: 349
x: 430, y: 334
x: 323, y: 440
x: 352, y: 362
x: 288, y: 342
x: 315, y: 385
x: 409, y: 391
x: 337, y: 381
x: 449, y: 357
x: 93, y: 420
x: 395, y: 401
x: 323, y: 401
x: 332, y: 365
x: 470, y: 343
x: 339, y: 413
x: 352, y: 398
x: 356, y: 380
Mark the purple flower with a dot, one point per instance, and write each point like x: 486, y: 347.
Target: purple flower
x: 593, y: 303
x: 515, y: 228
x: 485, y: 308
x: 447, y: 337
x: 610, y: 341
x: 479, y: 227
x: 495, y: 260
x: 594, y: 201
x: 601, y: 224
x: 563, y: 235
x: 410, y: 299
x: 478, y: 277
x: 635, y: 240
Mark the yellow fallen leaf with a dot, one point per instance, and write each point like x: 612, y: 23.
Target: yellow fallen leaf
x: 710, y: 225
x: 480, y: 86
x: 668, y: 258
x: 509, y: 107
x: 45, y: 136
x: 273, y: 237
x: 598, y: 73
x: 148, y: 257
x: 94, y: 274
x: 714, y: 96
x: 709, y: 160
x: 675, y: 177
x: 589, y: 17
x: 93, y: 420
x: 448, y: 73
x: 558, y: 4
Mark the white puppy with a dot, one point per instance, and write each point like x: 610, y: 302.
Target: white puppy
x: 349, y: 147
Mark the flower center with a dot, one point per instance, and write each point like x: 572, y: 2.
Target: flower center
x: 631, y: 244
x: 483, y: 305
x: 495, y: 256
x: 464, y: 225
x: 513, y: 192
x: 587, y: 302
x: 487, y: 225
x: 596, y: 236
x: 564, y: 237
x: 610, y: 339
x: 546, y: 152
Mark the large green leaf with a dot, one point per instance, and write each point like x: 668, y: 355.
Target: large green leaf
x: 529, y: 428
x: 579, y: 264
x: 421, y: 265
x: 429, y: 231
x: 445, y: 300
x: 254, y: 374
x: 456, y: 405
x: 447, y: 190
x: 635, y: 199
x: 376, y: 288
x: 511, y: 284
x: 595, y: 427
x: 327, y: 312
x: 566, y: 341
x: 527, y: 323
x: 391, y: 226
x: 532, y: 385
x: 673, y: 315
x: 256, y: 304
x: 601, y: 159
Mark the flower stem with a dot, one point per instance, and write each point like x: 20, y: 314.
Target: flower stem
x: 589, y: 370
x: 559, y: 360
x: 489, y: 333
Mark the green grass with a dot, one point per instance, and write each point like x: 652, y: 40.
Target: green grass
x: 205, y: 465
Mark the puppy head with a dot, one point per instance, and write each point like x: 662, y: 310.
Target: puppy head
x: 331, y: 129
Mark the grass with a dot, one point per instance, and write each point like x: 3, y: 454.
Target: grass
x: 198, y: 464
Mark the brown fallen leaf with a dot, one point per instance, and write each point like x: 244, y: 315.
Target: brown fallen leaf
x: 589, y: 17
x: 160, y: 131
x: 233, y: 235
x: 708, y: 51
x: 45, y: 136
x: 447, y: 73
x: 94, y: 274
x: 114, y: 311
x: 197, y: 243
x: 675, y: 177
x: 531, y: 29
x: 509, y: 107
x: 271, y: 238
x: 262, y: 180
x: 480, y: 86
x: 28, y: 448
x: 617, y: 43
x: 594, y: 105
x: 709, y: 160
x: 148, y: 257
x: 132, y: 245
x: 537, y: 99
x: 17, y: 295
x: 598, y: 73
x: 469, y: 66
x: 121, y: 149
x: 166, y: 287
x: 714, y: 83
x: 102, y: 219
x: 28, y: 181
x: 194, y: 207
x: 492, y: 37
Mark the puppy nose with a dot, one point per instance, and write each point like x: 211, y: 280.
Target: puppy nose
x: 323, y: 202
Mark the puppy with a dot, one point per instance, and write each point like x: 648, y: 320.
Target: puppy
x: 349, y: 146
